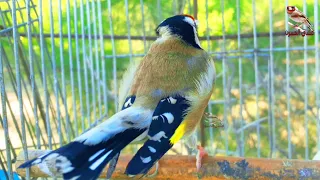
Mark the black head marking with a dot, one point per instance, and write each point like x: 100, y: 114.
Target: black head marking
x: 183, y: 26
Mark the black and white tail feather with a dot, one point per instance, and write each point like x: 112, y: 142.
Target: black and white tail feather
x: 86, y: 156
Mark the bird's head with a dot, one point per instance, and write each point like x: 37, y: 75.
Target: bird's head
x: 291, y: 9
x: 181, y: 26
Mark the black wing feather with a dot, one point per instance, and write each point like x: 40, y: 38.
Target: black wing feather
x: 153, y: 150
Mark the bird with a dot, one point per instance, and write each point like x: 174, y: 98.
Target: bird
x: 163, y: 99
x: 297, y: 16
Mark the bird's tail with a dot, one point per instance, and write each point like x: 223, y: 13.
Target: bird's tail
x: 309, y: 25
x: 86, y: 156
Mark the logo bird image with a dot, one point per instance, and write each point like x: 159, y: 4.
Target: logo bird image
x: 298, y: 16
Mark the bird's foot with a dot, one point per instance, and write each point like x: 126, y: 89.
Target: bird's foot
x: 212, y: 120
x: 200, y: 155
x: 155, y: 171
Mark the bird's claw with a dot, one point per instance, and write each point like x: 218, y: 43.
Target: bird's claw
x: 212, y: 120
x: 155, y: 171
x: 200, y: 155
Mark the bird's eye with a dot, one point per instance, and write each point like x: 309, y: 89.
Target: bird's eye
x: 157, y: 32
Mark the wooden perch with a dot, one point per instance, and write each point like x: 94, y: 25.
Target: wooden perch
x: 183, y: 167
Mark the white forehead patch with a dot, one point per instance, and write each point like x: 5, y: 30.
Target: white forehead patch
x: 189, y: 20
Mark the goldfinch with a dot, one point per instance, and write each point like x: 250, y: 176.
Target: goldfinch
x: 163, y: 99
x: 297, y: 16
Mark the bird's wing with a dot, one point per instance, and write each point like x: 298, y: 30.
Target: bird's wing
x: 167, y: 116
x: 173, y: 117
x: 298, y: 13
x: 302, y: 15
x: 298, y: 16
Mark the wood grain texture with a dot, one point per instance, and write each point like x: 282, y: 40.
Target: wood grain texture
x: 183, y: 167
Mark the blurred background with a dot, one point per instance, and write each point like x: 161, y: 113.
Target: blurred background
x: 61, y: 62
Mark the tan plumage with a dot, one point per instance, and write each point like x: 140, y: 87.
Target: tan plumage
x: 176, y: 68
x: 171, y: 67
